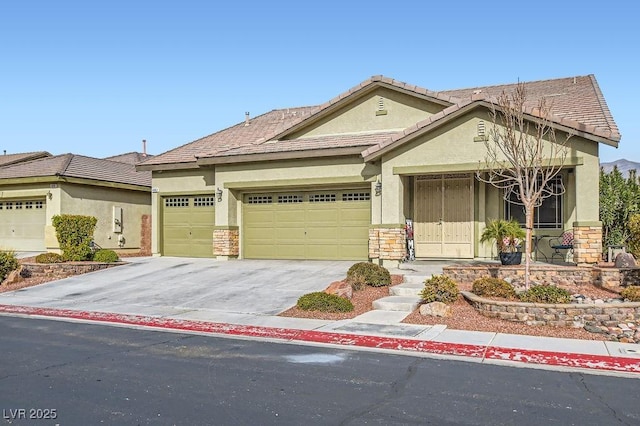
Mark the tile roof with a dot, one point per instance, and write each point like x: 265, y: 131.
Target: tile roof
x: 78, y: 166
x: 576, y: 102
x: 577, y: 99
x: 130, y: 157
x: 256, y: 132
x: 7, y: 159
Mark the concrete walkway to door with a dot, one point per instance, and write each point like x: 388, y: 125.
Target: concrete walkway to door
x: 186, y: 287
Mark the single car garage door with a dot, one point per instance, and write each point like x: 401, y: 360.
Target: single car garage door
x: 331, y: 225
x: 187, y: 225
x: 22, y: 225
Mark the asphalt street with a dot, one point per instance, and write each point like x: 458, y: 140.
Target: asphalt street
x: 92, y: 374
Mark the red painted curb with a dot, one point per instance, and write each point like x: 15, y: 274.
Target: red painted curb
x: 559, y: 359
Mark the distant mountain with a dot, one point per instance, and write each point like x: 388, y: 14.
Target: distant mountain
x: 623, y: 165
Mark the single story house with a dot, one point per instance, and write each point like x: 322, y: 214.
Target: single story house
x: 339, y: 180
x: 32, y: 192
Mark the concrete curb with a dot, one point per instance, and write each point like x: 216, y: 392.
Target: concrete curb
x: 477, y: 352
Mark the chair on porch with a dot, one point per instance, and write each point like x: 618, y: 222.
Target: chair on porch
x: 561, y: 245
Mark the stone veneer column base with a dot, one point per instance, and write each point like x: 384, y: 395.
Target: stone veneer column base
x: 387, y: 242
x: 226, y: 242
x: 587, y: 243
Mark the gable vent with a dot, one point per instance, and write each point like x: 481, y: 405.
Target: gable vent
x: 381, y: 107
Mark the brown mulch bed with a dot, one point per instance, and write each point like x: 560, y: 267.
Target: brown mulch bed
x: 464, y: 316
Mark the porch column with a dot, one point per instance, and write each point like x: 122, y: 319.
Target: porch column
x: 387, y: 234
x: 226, y: 232
x: 587, y: 229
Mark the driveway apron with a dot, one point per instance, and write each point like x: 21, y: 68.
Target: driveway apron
x: 170, y: 286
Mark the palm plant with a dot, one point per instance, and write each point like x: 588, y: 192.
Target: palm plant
x: 507, y: 234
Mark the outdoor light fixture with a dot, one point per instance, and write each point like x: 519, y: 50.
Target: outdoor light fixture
x: 219, y: 194
x: 378, y: 188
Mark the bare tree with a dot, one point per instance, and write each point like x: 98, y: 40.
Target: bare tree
x: 523, y: 156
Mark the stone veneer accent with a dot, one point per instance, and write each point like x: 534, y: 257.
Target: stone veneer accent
x: 587, y: 244
x: 226, y: 242
x: 547, y: 274
x: 67, y: 269
x: 387, y: 243
x: 559, y: 315
x: 145, y: 235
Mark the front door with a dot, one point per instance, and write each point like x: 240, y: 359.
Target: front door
x: 443, y: 216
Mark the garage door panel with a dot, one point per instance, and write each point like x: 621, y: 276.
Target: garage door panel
x: 22, y: 224
x: 311, y: 225
x: 187, y: 226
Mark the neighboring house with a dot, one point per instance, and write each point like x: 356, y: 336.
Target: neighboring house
x: 7, y: 159
x: 338, y: 181
x: 32, y: 192
x: 130, y: 157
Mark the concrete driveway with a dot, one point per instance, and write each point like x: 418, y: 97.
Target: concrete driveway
x: 193, y: 288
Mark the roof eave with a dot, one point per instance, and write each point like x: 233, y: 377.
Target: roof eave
x: 166, y: 166
x: 274, y: 156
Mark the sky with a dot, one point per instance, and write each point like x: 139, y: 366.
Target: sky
x: 96, y: 78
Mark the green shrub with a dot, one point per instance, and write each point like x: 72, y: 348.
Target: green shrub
x: 633, y: 225
x: 373, y: 275
x: 493, y: 287
x: 75, y: 233
x: 49, y: 258
x: 324, y: 302
x: 631, y: 293
x: 106, y: 256
x: 546, y: 294
x: 439, y: 288
x: 8, y: 263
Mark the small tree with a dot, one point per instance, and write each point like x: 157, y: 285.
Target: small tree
x: 75, y: 233
x: 619, y: 201
x: 523, y: 156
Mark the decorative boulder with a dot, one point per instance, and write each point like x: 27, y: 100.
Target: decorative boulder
x: 340, y: 288
x: 435, y: 309
x: 625, y: 260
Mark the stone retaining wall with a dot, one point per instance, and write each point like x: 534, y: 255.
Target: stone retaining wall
x: 559, y: 315
x: 67, y: 269
x: 547, y: 274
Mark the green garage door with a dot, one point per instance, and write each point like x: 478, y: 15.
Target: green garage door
x: 331, y: 225
x: 187, y: 225
x: 22, y: 225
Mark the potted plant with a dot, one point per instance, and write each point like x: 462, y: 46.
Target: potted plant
x: 508, y: 236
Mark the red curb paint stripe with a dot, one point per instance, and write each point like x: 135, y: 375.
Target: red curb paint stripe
x: 594, y: 362
x: 565, y: 359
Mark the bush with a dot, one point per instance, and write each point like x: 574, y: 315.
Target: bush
x: 631, y: 293
x: 106, y: 256
x: 439, y: 288
x: 634, y: 235
x: 49, y: 258
x: 493, y: 287
x: 373, y: 275
x: 8, y: 263
x: 546, y: 294
x: 324, y: 302
x: 75, y: 233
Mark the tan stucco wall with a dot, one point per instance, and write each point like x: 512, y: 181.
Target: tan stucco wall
x: 402, y: 111
x: 99, y: 202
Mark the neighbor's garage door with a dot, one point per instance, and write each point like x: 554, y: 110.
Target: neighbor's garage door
x: 307, y: 225
x: 187, y: 226
x: 22, y: 225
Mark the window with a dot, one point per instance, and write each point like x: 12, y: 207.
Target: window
x: 203, y: 201
x: 289, y: 198
x: 356, y: 196
x: 176, y: 202
x: 260, y: 199
x: 547, y: 216
x: 322, y: 198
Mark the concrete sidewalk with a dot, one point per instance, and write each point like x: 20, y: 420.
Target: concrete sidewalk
x: 435, y: 341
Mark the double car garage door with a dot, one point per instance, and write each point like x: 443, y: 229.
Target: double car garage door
x: 307, y: 225
x: 284, y: 225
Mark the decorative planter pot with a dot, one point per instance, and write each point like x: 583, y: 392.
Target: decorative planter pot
x: 514, y: 258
